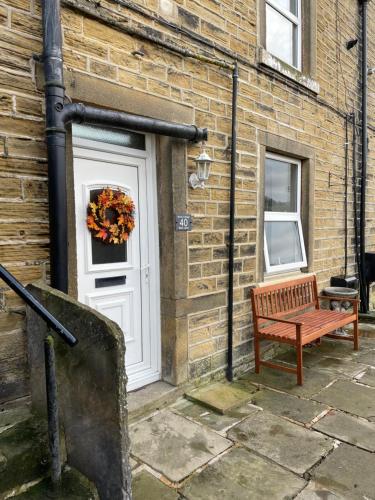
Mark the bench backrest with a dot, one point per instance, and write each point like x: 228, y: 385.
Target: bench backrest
x: 285, y: 298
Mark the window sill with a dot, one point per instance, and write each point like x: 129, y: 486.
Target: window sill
x: 274, y: 278
x: 267, y: 59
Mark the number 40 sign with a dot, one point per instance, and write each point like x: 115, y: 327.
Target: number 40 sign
x: 183, y: 222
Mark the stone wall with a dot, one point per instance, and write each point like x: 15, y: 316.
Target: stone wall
x: 91, y: 390
x: 268, y: 102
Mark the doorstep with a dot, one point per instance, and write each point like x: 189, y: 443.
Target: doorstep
x: 150, y: 398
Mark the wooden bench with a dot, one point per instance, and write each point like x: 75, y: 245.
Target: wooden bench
x: 290, y: 313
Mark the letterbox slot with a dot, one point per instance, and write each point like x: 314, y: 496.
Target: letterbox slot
x: 111, y: 281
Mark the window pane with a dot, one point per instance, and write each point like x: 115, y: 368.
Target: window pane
x: 290, y: 5
x: 281, y: 185
x: 283, y: 242
x: 106, y: 253
x: 281, y: 38
x: 110, y: 136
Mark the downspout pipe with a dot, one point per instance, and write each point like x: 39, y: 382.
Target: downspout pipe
x: 232, y: 209
x: 57, y: 116
x: 55, y: 140
x: 362, y: 220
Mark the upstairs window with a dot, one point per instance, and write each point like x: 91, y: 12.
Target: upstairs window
x: 283, y: 30
x: 284, y: 247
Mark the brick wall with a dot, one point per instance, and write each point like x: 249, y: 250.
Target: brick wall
x: 267, y: 102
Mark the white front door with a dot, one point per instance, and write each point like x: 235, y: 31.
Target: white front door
x: 121, y: 281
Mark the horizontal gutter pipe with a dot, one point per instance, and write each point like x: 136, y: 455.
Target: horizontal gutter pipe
x: 80, y: 113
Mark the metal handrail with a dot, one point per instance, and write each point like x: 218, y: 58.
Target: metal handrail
x: 50, y: 368
x: 31, y: 301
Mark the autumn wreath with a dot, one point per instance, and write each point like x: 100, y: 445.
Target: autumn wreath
x: 111, y: 216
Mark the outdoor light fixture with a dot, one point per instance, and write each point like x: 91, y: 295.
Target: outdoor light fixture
x: 203, y: 162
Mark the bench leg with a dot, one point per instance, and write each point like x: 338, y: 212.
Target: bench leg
x: 356, y: 335
x: 257, y: 354
x: 299, y: 364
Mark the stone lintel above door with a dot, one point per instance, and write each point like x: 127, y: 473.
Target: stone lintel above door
x: 99, y: 92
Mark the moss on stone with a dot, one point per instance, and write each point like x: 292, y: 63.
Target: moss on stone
x: 24, y: 452
x: 74, y: 486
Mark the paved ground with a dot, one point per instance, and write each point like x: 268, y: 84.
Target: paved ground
x: 268, y: 439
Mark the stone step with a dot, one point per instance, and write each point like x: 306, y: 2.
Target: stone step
x: 150, y: 398
x: 74, y: 486
x: 12, y: 416
x: 221, y: 397
x: 24, y: 454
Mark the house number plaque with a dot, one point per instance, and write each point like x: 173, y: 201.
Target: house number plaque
x: 183, y: 222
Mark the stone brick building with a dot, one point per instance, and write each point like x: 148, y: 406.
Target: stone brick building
x: 171, y: 60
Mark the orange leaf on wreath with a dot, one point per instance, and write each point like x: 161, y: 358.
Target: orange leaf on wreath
x: 91, y: 224
x: 102, y: 234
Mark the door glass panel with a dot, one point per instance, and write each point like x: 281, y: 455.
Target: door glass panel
x: 106, y: 253
x: 280, y: 186
x: 111, y: 136
x: 283, y: 242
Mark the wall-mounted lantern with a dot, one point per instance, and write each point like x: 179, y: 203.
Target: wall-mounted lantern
x: 203, y: 162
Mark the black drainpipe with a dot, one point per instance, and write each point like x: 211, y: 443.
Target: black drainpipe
x: 362, y: 219
x: 57, y: 116
x: 55, y: 138
x: 80, y: 113
x: 355, y: 203
x: 232, y: 209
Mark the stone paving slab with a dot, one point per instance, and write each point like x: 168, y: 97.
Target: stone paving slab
x: 366, y: 344
x: 350, y: 397
x: 347, y: 428
x: 281, y: 441
x: 314, y: 491
x: 367, y: 358
x: 314, y: 381
x: 367, y: 329
x: 337, y: 348
x: 145, y: 486
x: 173, y: 445
x: 214, y: 420
x: 285, y: 405
x: 367, y: 377
x: 242, y: 475
x: 348, y: 366
x: 221, y: 397
x: 349, y: 472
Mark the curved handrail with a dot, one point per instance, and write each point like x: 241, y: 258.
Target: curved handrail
x: 31, y: 301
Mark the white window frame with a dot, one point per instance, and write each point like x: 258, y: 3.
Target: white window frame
x: 297, y: 21
x: 285, y: 216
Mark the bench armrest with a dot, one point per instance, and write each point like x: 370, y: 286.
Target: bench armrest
x: 287, y: 321
x: 340, y: 299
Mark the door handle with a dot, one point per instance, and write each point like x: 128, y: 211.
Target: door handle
x: 146, y: 268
